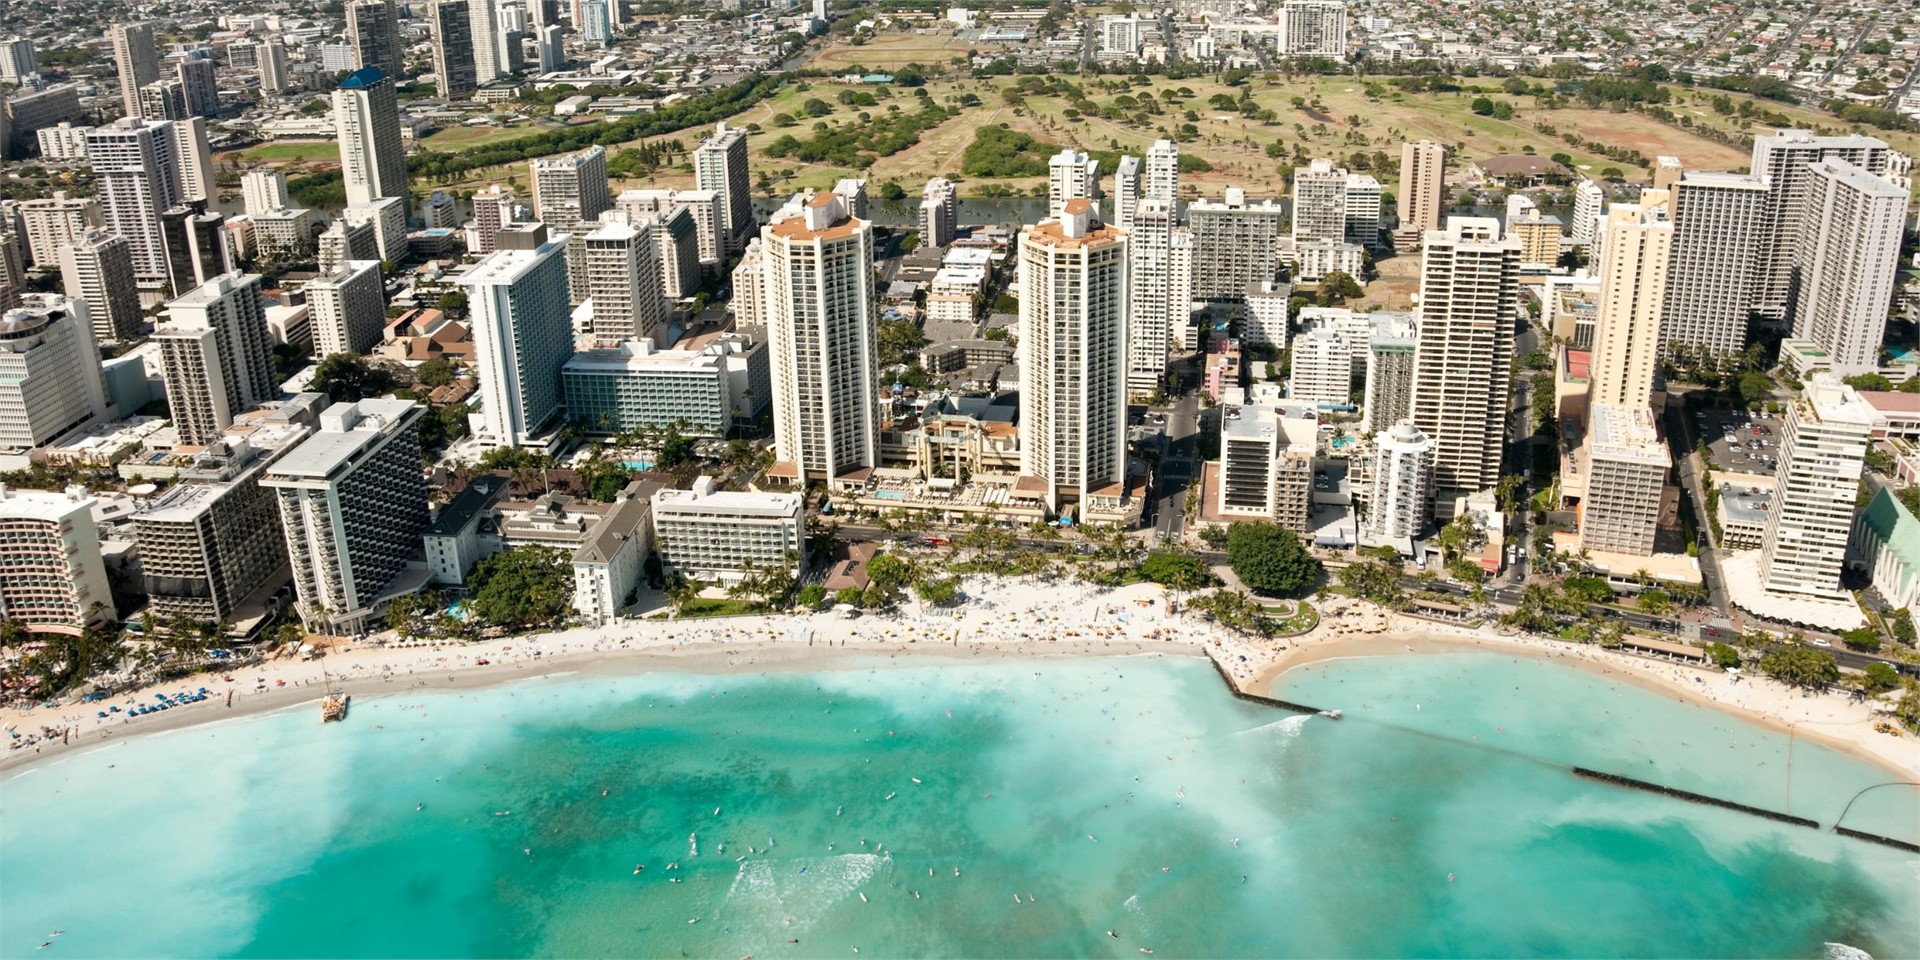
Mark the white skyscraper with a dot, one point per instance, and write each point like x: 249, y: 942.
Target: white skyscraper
x: 623, y: 280
x: 49, y: 222
x: 98, y: 268
x: 1845, y: 262
x: 1126, y: 191
x: 1163, y: 171
x: 1633, y: 285
x: 1320, y: 203
x: 17, y: 61
x: 720, y: 164
x: 821, y: 333
x: 348, y: 308
x: 1816, y: 490
x: 1469, y: 297
x: 1152, y: 308
x: 1589, y: 202
x: 366, y: 118
x: 137, y: 168
x: 1071, y: 175
x: 1397, y: 507
x: 271, y: 57
x: 1782, y: 162
x: 489, y: 55
x: 1234, y: 244
x: 1073, y: 356
x: 353, y: 505
x: 265, y: 191
x: 522, y: 332
x: 939, y: 212
x: 1313, y: 28
x: 1719, y: 230
x: 50, y: 379
x: 215, y: 355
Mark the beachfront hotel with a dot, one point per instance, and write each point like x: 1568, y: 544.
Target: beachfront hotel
x: 1073, y: 356
x: 818, y: 271
x: 55, y: 580
x: 1822, y: 447
x: 353, y: 505
x: 522, y: 332
x: 710, y: 535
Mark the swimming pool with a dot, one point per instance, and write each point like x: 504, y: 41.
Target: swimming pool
x: 639, y: 465
x: 889, y: 495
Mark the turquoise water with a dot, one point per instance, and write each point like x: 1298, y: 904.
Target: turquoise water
x: 1110, y: 792
x: 640, y: 465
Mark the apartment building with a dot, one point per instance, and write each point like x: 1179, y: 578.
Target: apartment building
x: 1233, y: 244
x: 1633, y: 287
x: 939, y: 212
x: 349, y: 308
x: 97, y: 268
x: 720, y: 165
x: 1152, y: 308
x: 1626, y: 476
x: 1391, y: 350
x: 1822, y: 447
x: 1071, y: 175
x: 1846, y: 261
x: 1718, y: 219
x: 215, y: 356
x: 366, y: 120
x: 1469, y: 290
x: 1266, y: 464
x: 353, y: 504
x: 50, y: 222
x: 624, y: 283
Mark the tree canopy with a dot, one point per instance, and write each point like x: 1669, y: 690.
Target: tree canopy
x: 1798, y: 666
x: 1270, y: 558
x: 522, y: 587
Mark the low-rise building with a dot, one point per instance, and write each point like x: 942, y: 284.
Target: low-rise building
x: 1886, y: 546
x: 607, y: 568
x: 709, y: 535
x: 700, y: 392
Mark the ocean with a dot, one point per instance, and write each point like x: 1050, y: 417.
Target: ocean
x: 1059, y: 808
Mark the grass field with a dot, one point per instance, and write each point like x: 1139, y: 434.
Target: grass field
x: 453, y: 139
x: 1351, y: 117
x: 287, y: 153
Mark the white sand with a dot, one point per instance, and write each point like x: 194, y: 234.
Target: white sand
x: 1005, y: 617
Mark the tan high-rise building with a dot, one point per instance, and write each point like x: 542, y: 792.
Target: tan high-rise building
x: 1633, y: 284
x: 1423, y: 191
x: 216, y: 359
x: 98, y: 268
x: 1667, y: 171
x: 1073, y: 356
x: 1469, y: 300
x: 623, y: 280
x: 820, y: 313
x: 136, y: 61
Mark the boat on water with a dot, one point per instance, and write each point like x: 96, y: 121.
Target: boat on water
x: 1330, y: 714
x: 333, y: 707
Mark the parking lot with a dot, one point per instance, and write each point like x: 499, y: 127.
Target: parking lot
x: 1740, y: 442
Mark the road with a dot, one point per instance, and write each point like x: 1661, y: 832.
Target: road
x: 1680, y: 439
x: 1840, y: 59
x: 1734, y: 19
x: 1179, y: 475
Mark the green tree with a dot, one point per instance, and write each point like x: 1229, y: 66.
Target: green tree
x: 1337, y: 287
x: 810, y: 597
x: 847, y: 595
x: 1869, y: 381
x: 889, y: 573
x: 1270, y: 558
x: 1901, y: 621
x: 522, y: 587
x: 1755, y: 387
x: 938, y: 592
x: 1724, y: 657
x: 437, y: 372
x: 1907, y: 709
x: 1587, y: 589
x: 1864, y: 639
x: 1482, y: 106
x: 1373, y: 581
x: 1798, y: 666
x: 1182, y: 571
x: 1879, y: 678
x: 675, y: 451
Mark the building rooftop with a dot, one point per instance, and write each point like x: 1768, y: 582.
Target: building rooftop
x: 1624, y: 434
x: 628, y: 515
x: 326, y: 451
x: 42, y: 504
x: 363, y: 78
x: 704, y: 499
x: 463, y: 509
x: 504, y: 267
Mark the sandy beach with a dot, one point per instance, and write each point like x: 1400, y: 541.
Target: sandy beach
x: 1005, y: 618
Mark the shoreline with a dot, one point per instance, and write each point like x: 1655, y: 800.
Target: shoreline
x: 1828, y: 718
x: 1000, y: 624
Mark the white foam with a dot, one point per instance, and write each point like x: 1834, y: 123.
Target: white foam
x: 1841, y: 951
x: 1286, y: 729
